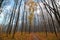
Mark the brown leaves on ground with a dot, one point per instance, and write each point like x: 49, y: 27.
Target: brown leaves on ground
x: 31, y: 36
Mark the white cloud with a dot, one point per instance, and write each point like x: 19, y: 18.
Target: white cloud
x: 1, y: 17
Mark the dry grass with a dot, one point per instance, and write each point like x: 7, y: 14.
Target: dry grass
x: 31, y: 36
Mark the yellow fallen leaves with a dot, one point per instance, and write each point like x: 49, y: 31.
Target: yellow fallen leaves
x: 31, y: 36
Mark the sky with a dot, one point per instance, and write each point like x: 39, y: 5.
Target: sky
x: 7, y: 7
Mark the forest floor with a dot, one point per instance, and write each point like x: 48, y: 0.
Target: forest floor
x: 30, y: 36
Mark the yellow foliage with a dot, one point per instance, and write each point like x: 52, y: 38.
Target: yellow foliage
x: 31, y: 5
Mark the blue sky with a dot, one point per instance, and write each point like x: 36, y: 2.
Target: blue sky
x: 7, y: 7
